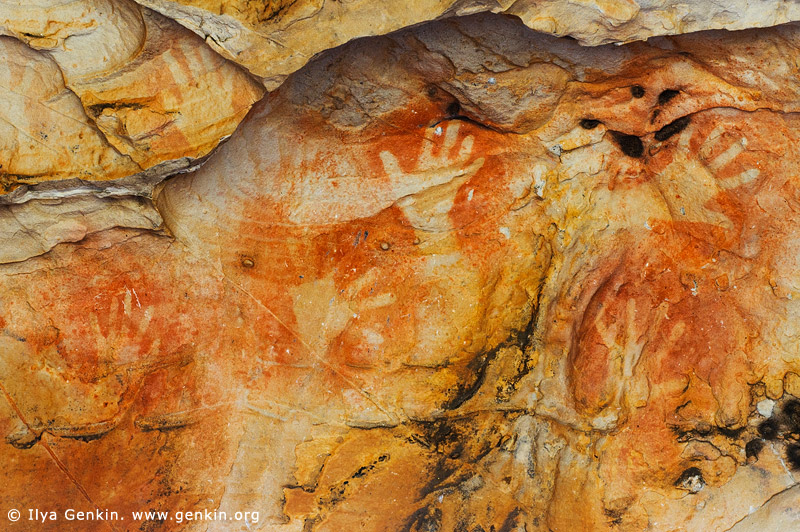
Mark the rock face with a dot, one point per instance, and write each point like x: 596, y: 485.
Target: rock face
x: 273, y: 38
x: 463, y: 277
x: 105, y: 89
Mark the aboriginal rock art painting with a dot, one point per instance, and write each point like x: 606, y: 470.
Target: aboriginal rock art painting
x: 394, y: 289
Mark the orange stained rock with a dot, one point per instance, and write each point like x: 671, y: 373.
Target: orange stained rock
x: 377, y: 311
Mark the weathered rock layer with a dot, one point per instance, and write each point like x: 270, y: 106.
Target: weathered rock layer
x: 463, y: 277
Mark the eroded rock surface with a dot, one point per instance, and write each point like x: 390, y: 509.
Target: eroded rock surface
x: 460, y: 278
x: 273, y: 38
x: 104, y: 89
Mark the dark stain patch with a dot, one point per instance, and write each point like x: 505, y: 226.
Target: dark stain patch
x: 369, y: 468
x: 589, y: 123
x: 753, y: 448
x: 98, y: 108
x: 523, y: 338
x: 637, y: 91
x: 614, y: 516
x: 733, y: 434
x: 23, y: 177
x: 510, y: 523
x: 442, y: 477
x: 689, y: 473
x: 691, y: 480
x: 464, y: 526
x: 85, y: 438
x: 654, y: 116
x: 310, y: 524
x: 24, y: 439
x: 358, y: 237
x: 456, y: 443
x: 520, y: 338
x: 425, y: 519
x: 10, y: 334
x: 477, y: 366
x: 268, y: 11
x: 631, y: 145
x: 438, y: 435
x: 339, y: 492
x: 768, y: 429
x: 454, y: 109
x: 164, y: 422
x: 666, y: 96
x: 793, y: 455
x: 791, y: 410
x: 673, y: 128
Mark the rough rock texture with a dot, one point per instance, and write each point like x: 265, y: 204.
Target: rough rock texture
x: 465, y: 277
x: 105, y: 89
x: 273, y: 38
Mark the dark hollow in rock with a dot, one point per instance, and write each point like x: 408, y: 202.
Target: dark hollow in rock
x: 673, y: 128
x: 793, y: 455
x: 666, y: 96
x: 691, y: 479
x: 637, y: 91
x: 753, y: 448
x: 589, y: 123
x: 791, y: 410
x: 768, y: 429
x: 454, y: 109
x: 631, y: 145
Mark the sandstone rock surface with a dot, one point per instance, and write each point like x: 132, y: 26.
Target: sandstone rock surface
x: 463, y: 277
x: 273, y: 38
x: 105, y: 89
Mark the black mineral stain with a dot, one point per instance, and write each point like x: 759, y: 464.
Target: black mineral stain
x: 614, y: 516
x: 631, y: 145
x: 731, y: 433
x: 369, y: 468
x: 753, y: 448
x: 666, y: 96
x: 477, y: 366
x: 768, y: 429
x: 589, y: 123
x: 511, y: 522
x: 86, y: 438
x: 24, y: 440
x: 793, y: 455
x: 424, y: 520
x: 791, y: 410
x: 637, y: 91
x: 654, y: 116
x: 673, y: 128
x: 98, y: 108
x: 443, y: 476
